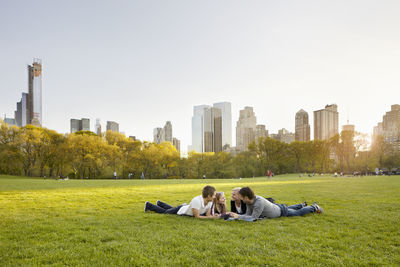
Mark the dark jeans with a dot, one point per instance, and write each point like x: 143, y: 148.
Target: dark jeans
x: 295, y: 210
x: 163, y: 208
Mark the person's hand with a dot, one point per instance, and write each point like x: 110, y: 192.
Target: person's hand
x: 234, y: 215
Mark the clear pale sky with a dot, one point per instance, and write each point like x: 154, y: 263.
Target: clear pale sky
x: 141, y: 63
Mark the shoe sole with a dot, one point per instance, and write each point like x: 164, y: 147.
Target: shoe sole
x: 145, y: 206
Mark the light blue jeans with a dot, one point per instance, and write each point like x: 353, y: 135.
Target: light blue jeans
x: 295, y: 210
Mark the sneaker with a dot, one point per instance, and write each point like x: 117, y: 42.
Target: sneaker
x: 158, y: 202
x: 304, y: 204
x: 318, y: 209
x: 145, y: 206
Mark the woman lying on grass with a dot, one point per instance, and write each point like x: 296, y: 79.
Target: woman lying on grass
x: 219, y: 205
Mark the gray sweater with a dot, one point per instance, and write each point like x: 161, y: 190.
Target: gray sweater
x: 261, y: 208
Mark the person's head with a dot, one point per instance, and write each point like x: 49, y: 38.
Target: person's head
x: 220, y: 202
x: 235, y: 193
x: 220, y: 197
x: 247, y: 195
x: 208, y: 192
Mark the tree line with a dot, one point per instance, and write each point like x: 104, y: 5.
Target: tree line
x: 35, y: 151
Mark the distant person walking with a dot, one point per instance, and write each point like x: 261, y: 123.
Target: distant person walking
x: 142, y: 177
x: 115, y: 175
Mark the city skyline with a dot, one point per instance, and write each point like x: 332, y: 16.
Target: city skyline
x: 224, y: 106
x: 274, y: 58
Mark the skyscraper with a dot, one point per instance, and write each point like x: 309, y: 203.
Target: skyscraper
x: 84, y: 124
x: 157, y: 134
x: 349, y: 128
x: 74, y: 125
x: 167, y: 132
x: 29, y: 109
x: 226, y: 110
x: 112, y: 126
x: 80, y: 125
x: 98, y: 127
x: 260, y: 132
x: 245, y: 128
x: 212, y: 130
x: 177, y: 144
x: 163, y: 134
x: 35, y: 93
x: 285, y: 136
x: 197, y: 128
x: 390, y: 127
x: 326, y: 122
x: 302, y: 129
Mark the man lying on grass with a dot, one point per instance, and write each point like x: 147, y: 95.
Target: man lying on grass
x: 258, y: 207
x: 199, y: 207
x: 237, y: 205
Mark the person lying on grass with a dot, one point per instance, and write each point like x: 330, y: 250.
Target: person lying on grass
x: 237, y: 205
x: 199, y: 207
x: 218, y: 206
x: 258, y: 207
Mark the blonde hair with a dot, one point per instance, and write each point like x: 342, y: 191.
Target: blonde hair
x: 236, y: 189
x: 219, y: 208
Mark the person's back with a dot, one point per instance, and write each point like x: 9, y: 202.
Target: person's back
x: 262, y: 207
x: 259, y: 207
x: 196, y: 203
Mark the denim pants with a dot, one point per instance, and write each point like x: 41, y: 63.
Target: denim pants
x: 164, y: 208
x: 295, y: 210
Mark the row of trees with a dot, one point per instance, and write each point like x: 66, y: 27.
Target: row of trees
x: 34, y: 151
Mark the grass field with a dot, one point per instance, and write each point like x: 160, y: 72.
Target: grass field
x: 92, y: 223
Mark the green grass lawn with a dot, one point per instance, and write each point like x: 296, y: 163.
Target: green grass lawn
x: 91, y: 223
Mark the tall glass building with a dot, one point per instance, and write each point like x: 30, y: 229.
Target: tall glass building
x: 197, y: 128
x: 226, y: 109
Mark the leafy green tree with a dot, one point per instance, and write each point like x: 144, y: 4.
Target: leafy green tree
x: 30, y: 144
x: 10, y: 154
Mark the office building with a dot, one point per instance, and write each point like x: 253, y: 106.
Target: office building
x: 260, y: 132
x: 74, y: 125
x: 163, y: 134
x: 10, y: 121
x: 167, y: 132
x: 158, y: 135
x: 212, y: 130
x: 112, y: 126
x: 389, y: 128
x: 326, y: 122
x: 198, y: 129
x: 245, y: 128
x: 177, y: 144
x: 226, y: 111
x: 285, y: 136
x: 79, y: 125
x: 302, y: 126
x: 98, y: 127
x: 349, y: 128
